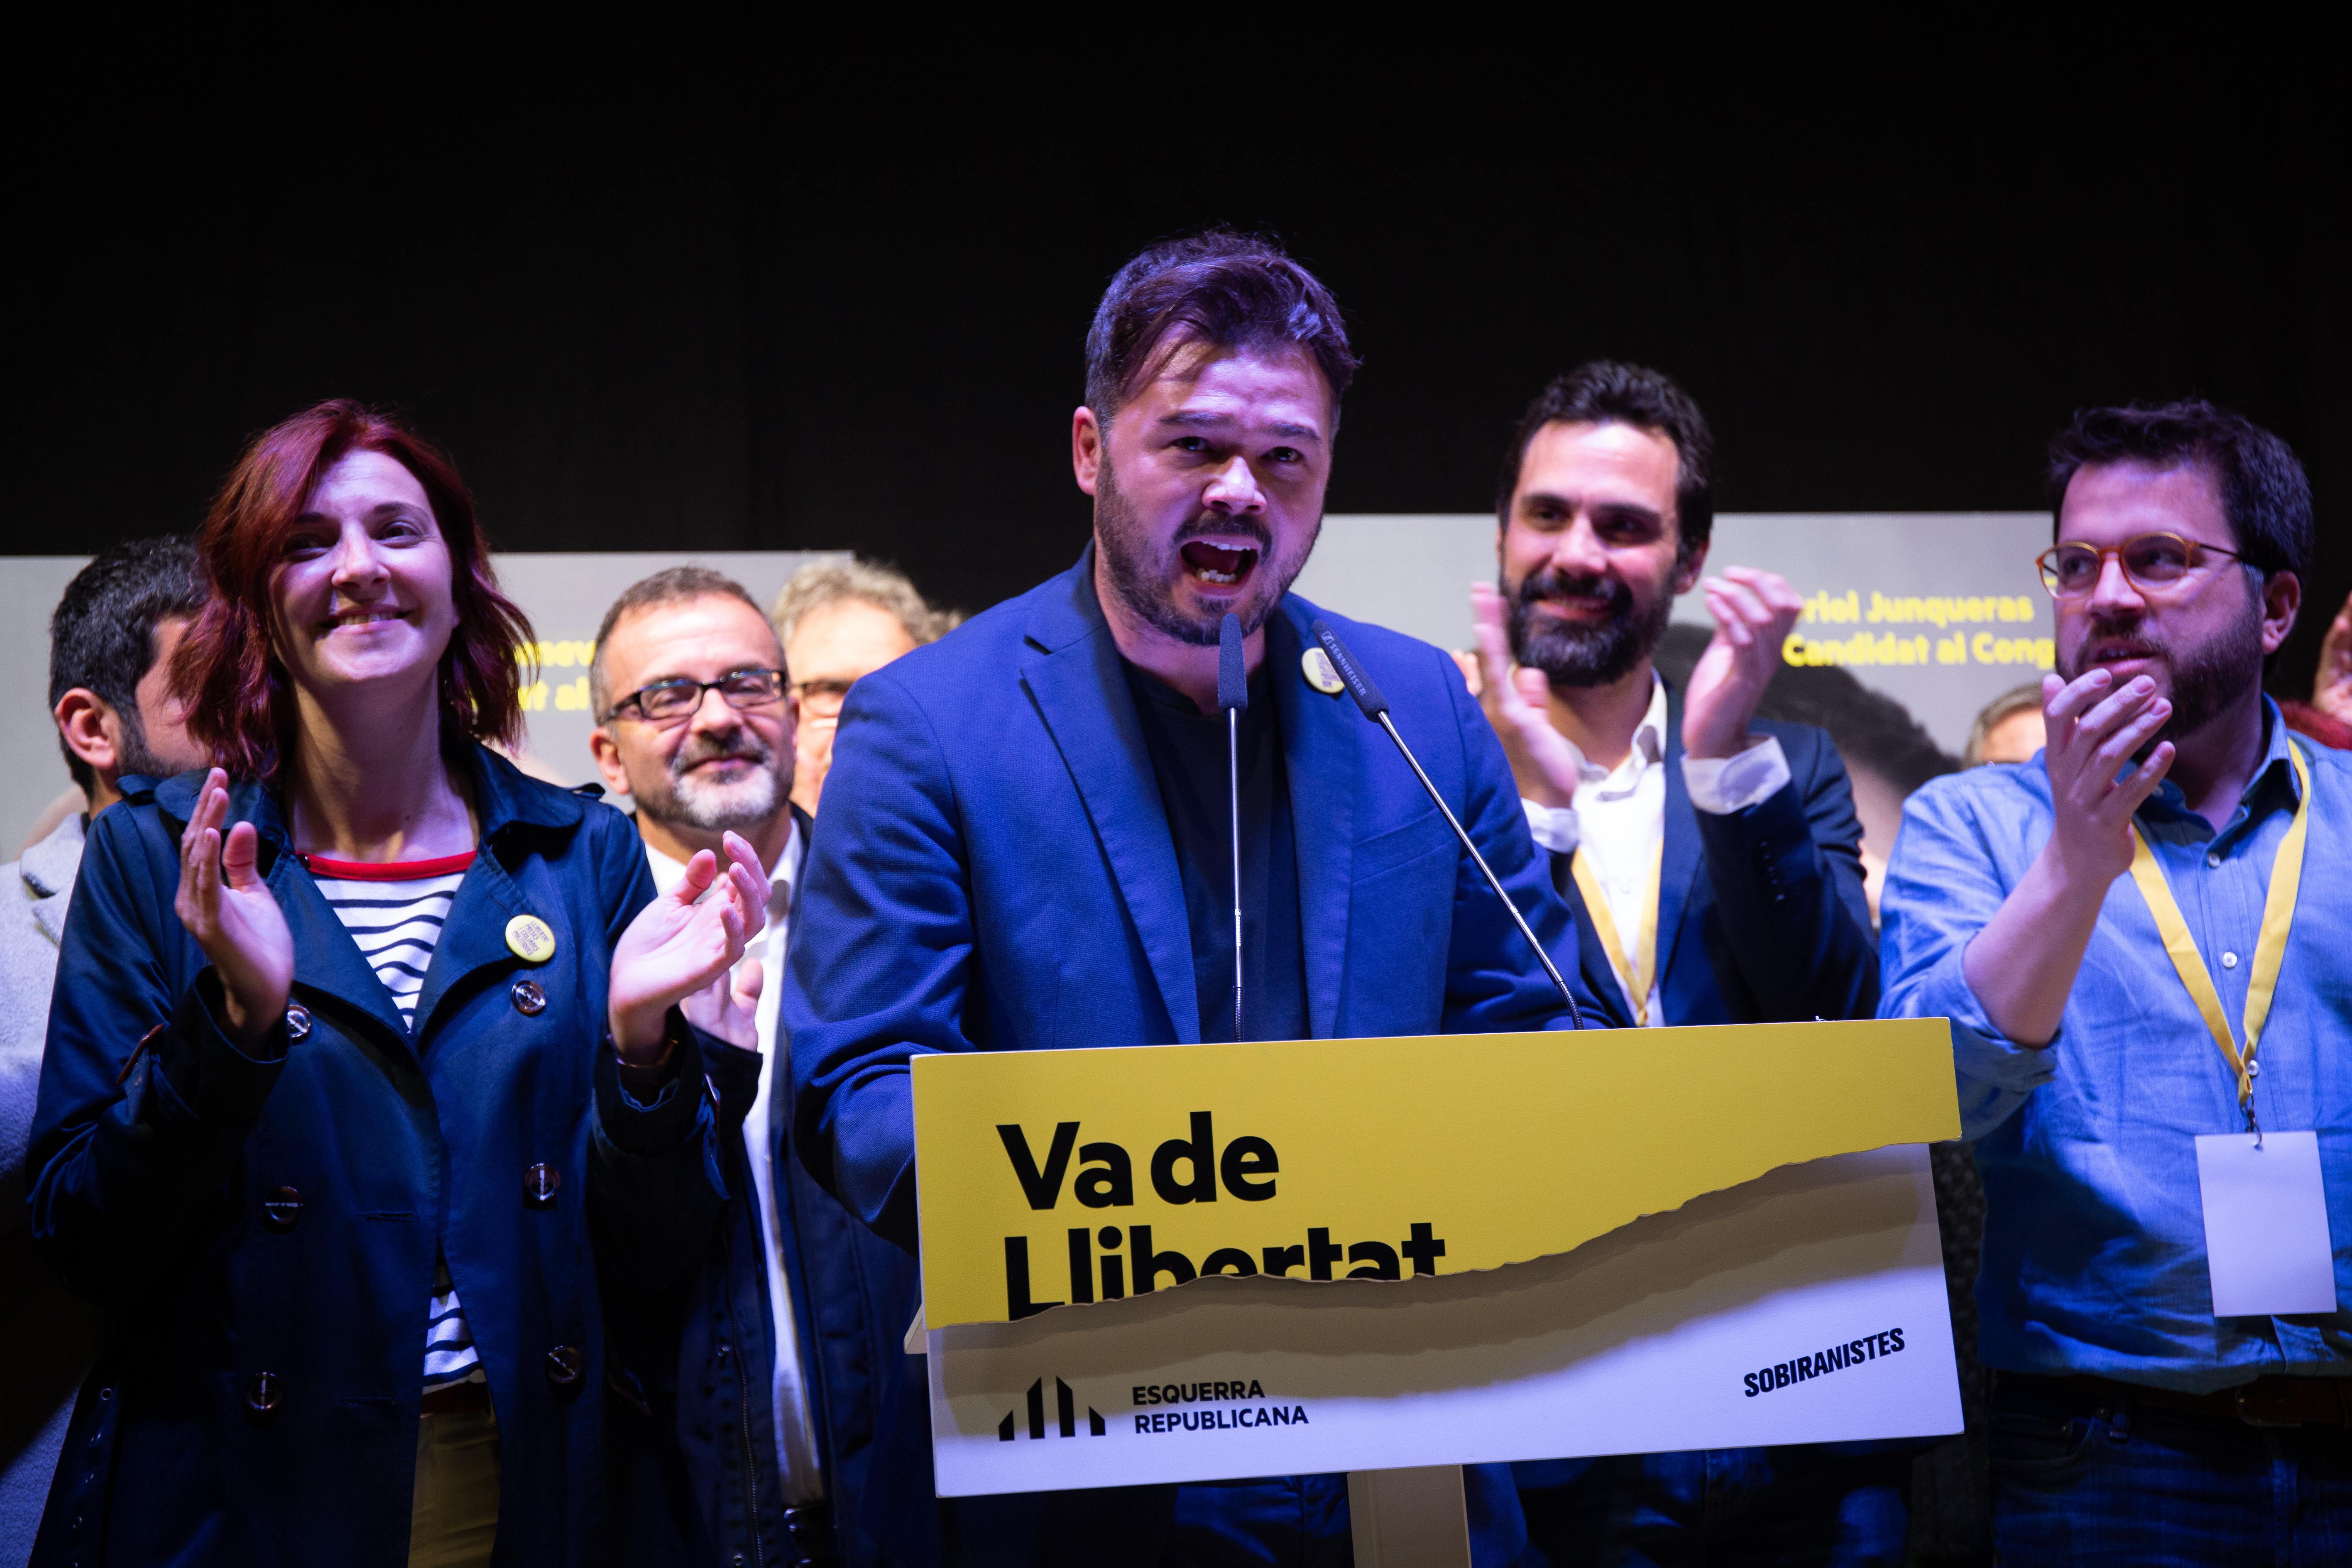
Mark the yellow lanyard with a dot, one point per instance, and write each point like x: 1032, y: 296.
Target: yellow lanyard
x: 1637, y: 980
x: 2270, y: 948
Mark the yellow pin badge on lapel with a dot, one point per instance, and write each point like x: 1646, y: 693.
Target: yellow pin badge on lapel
x: 530, y: 939
x: 1319, y: 673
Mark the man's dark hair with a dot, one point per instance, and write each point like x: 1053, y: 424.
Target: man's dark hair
x: 1232, y: 290
x: 2264, y: 491
x: 1606, y: 393
x: 102, y: 636
x: 665, y: 587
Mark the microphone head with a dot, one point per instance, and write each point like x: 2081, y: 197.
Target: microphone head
x: 1351, y: 674
x: 1232, y: 675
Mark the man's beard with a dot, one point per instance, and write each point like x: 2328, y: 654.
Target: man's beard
x: 1574, y: 654
x: 132, y: 756
x: 678, y: 798
x: 1143, y: 570
x: 2206, y: 679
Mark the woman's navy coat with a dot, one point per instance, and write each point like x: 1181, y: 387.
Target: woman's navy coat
x: 264, y: 1226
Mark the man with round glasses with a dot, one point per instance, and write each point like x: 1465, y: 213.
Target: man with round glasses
x: 2143, y: 949
x: 2152, y: 563
x: 764, y: 1372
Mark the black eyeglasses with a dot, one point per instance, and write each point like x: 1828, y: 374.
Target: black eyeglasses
x: 2153, y: 562
x: 668, y: 702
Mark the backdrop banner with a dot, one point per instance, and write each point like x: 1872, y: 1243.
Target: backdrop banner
x: 1940, y: 611
x: 1267, y: 1258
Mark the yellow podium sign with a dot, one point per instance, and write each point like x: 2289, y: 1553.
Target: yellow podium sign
x: 1054, y: 1177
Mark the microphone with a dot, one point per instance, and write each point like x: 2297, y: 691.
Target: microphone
x: 1233, y: 696
x: 1376, y: 708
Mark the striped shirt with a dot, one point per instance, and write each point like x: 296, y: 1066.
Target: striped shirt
x: 449, y: 1354
x: 395, y: 909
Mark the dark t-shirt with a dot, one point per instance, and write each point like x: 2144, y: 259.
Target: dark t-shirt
x: 1188, y: 758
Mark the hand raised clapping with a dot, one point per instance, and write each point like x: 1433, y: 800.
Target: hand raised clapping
x: 1521, y: 696
x: 1754, y: 613
x: 683, y: 945
x: 234, y: 917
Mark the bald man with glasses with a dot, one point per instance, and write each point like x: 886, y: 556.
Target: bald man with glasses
x: 764, y: 1375
x: 2145, y: 948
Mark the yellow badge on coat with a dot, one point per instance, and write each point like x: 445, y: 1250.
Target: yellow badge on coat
x: 1319, y: 673
x: 531, y: 941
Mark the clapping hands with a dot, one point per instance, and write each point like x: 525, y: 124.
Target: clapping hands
x: 1754, y: 613
x: 1521, y: 698
x: 233, y: 915
x: 682, y: 949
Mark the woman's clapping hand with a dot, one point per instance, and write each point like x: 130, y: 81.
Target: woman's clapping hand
x: 234, y: 917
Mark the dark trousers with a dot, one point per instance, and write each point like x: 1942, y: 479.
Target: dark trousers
x: 1298, y: 1521
x: 1803, y: 1504
x: 2080, y: 1478
x: 1273, y: 1521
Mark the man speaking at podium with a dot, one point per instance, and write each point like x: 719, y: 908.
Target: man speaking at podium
x: 1025, y: 840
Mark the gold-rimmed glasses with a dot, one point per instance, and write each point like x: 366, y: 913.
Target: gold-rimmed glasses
x: 2152, y: 562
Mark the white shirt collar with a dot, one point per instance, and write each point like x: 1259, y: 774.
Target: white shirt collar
x: 1649, y: 749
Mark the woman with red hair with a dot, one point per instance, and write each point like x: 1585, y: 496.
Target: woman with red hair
x: 368, y: 1054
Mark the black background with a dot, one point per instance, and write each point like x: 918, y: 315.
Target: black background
x: 734, y: 290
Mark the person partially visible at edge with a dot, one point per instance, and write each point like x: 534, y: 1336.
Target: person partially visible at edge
x: 363, y: 1047
x: 2327, y: 717
x: 1721, y: 851
x: 769, y: 1366
x: 2029, y: 905
x: 2008, y: 729
x: 839, y: 621
x: 111, y: 647
x: 1028, y: 841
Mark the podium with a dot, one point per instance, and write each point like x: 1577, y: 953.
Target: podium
x: 1394, y: 1257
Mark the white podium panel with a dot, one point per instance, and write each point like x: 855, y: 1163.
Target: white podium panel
x: 1806, y: 1306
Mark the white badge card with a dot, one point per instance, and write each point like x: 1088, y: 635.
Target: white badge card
x: 2266, y: 1239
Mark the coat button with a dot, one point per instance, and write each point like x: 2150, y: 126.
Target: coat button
x: 262, y: 1393
x: 538, y: 1184
x: 528, y: 999
x: 282, y: 1208
x: 297, y: 1021
x: 564, y: 1370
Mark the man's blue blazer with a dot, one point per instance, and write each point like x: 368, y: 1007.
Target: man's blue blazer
x: 1761, y: 914
x: 993, y: 869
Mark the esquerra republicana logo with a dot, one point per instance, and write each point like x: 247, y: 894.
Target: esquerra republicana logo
x: 1245, y: 1399
x: 1066, y: 1408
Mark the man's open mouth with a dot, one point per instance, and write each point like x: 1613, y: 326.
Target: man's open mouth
x: 1219, y: 565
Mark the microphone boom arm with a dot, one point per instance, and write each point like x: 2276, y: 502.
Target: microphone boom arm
x: 1376, y: 708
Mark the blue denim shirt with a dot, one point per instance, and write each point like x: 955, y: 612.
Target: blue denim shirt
x: 2095, y: 1238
